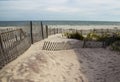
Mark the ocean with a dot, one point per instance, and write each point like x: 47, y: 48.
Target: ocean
x: 80, y: 23
x: 14, y: 23
x: 64, y: 24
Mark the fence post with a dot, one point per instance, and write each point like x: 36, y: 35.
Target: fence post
x: 20, y: 35
x: 54, y: 30
x: 16, y: 37
x: 31, y: 32
x: 84, y: 43
x: 1, y: 44
x: 103, y: 43
x: 42, y: 30
x: 57, y: 31
x: 2, y: 63
x: 47, y: 31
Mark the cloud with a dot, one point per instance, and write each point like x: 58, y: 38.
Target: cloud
x: 62, y: 9
x: 53, y: 1
x: 84, y: 9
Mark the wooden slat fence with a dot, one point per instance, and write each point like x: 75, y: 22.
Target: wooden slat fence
x: 85, y: 43
x: 14, y: 41
x: 12, y: 44
x: 54, y: 46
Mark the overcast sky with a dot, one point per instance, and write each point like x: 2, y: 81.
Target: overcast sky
x: 96, y: 10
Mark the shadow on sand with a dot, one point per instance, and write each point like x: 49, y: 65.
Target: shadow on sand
x: 99, y: 64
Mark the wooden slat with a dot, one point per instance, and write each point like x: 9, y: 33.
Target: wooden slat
x: 10, y: 48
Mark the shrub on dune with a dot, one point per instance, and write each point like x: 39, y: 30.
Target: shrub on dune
x: 93, y: 36
x: 116, y: 46
x: 74, y: 35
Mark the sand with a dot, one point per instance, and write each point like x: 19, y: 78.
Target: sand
x: 74, y: 65
x: 86, y: 27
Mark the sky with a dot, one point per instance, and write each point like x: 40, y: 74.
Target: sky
x: 86, y: 10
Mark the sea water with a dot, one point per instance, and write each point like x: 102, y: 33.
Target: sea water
x: 65, y: 24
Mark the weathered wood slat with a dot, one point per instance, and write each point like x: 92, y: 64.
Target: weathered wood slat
x: 10, y: 47
x: 54, y: 46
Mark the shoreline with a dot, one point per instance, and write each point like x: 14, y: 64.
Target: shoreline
x: 85, y: 27
x: 79, y: 27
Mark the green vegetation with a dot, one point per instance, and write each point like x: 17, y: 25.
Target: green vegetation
x: 116, y: 46
x: 105, y: 36
x: 74, y: 35
x: 110, y: 39
x: 100, y: 37
x: 93, y: 36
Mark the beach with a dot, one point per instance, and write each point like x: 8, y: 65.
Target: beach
x: 73, y: 65
x: 60, y: 41
x: 86, y: 27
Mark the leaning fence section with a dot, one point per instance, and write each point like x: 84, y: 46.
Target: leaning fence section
x: 12, y: 44
x: 16, y: 39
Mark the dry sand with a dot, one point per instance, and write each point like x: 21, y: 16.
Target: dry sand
x: 74, y: 65
x: 86, y: 27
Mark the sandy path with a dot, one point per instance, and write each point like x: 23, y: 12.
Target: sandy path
x: 45, y: 66
x: 99, y: 65
x: 75, y: 65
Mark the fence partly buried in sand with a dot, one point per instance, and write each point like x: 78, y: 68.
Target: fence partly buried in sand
x: 16, y: 40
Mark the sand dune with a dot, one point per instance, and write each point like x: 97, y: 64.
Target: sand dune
x: 74, y: 65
